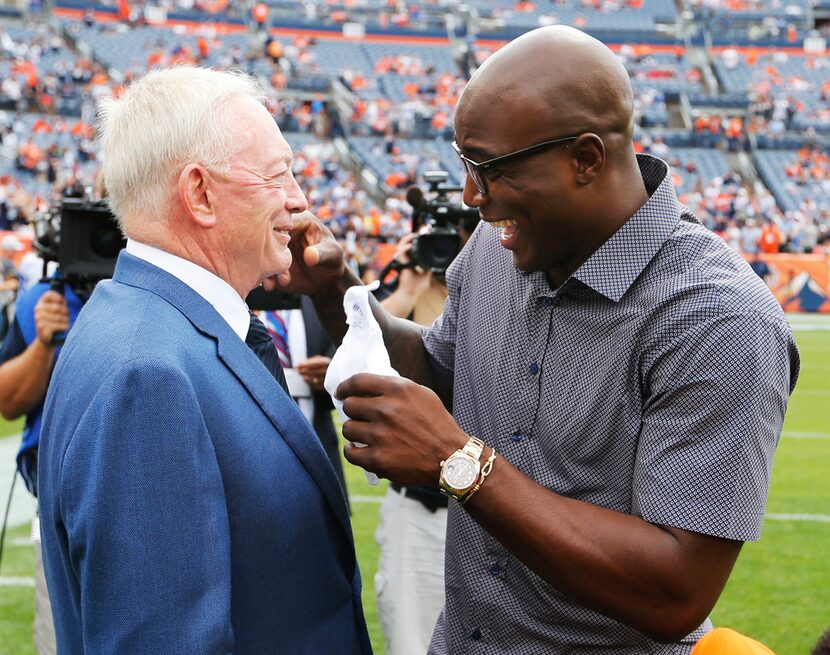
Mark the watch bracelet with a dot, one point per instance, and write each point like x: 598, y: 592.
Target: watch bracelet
x: 485, y: 471
x: 474, y: 447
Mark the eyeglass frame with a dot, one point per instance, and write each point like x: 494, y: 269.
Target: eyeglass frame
x: 480, y: 180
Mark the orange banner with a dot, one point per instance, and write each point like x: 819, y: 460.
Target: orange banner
x: 801, y: 283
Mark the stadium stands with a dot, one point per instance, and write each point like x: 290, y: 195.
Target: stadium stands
x: 391, y: 99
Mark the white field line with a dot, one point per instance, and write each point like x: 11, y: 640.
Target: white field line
x: 812, y: 518
x: 16, y: 582
x: 366, y: 499
x: 772, y: 516
x: 805, y: 435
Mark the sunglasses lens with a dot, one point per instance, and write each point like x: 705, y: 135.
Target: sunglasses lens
x: 478, y: 178
x: 472, y: 171
x: 475, y: 176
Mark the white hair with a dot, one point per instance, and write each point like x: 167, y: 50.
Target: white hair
x: 164, y: 121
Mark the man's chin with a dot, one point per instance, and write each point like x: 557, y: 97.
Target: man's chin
x: 282, y: 263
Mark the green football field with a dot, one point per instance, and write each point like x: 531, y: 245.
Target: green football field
x: 779, y: 592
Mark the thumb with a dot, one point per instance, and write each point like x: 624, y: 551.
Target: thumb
x: 324, y: 254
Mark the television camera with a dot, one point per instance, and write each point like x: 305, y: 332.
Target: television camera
x: 437, y: 218
x: 83, y: 237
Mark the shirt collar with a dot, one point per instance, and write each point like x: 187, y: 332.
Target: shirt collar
x: 221, y: 295
x: 613, y: 268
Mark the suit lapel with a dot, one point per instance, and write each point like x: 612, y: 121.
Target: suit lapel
x: 281, y: 410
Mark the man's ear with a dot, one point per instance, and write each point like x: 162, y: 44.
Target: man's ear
x: 589, y: 157
x: 196, y: 195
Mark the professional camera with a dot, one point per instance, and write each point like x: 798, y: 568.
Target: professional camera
x: 437, y: 218
x: 82, y: 236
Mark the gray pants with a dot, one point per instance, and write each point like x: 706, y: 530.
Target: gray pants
x: 44, y: 628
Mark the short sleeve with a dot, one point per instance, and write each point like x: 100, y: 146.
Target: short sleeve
x: 714, y: 404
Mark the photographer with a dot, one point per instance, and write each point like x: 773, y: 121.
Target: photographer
x: 9, y: 280
x: 81, y: 235
x: 27, y: 358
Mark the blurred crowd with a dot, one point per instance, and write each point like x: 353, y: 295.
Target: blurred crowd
x: 50, y: 88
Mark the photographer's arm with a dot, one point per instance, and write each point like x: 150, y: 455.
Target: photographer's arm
x: 319, y: 270
x: 402, y: 337
x: 24, y: 379
x: 412, y: 282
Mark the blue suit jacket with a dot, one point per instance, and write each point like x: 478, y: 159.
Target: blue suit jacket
x: 186, y: 504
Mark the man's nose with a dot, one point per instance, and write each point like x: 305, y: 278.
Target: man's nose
x: 296, y: 201
x: 472, y: 196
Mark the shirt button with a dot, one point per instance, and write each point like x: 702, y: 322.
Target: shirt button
x: 517, y: 436
x: 547, y: 301
x: 476, y: 634
x: 495, y: 570
x: 533, y: 368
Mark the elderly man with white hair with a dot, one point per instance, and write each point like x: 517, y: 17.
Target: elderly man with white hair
x: 186, y: 504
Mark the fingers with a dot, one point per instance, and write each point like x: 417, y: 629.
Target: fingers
x: 52, y: 308
x: 404, y: 246
x: 51, y: 316
x: 366, y: 384
x: 325, y: 254
x: 315, y: 366
x: 360, y: 432
x: 52, y: 300
x: 283, y: 279
x: 361, y: 408
x: 360, y: 456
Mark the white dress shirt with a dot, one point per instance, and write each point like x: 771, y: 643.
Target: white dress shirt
x: 221, y: 295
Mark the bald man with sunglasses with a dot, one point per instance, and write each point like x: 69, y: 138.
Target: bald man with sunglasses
x: 617, y: 377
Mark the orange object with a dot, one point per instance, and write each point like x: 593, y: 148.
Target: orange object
x: 725, y: 641
x: 771, y: 238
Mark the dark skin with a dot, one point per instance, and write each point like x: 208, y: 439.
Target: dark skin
x: 566, y: 202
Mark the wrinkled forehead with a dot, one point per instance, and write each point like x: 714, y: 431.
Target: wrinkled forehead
x: 259, y: 137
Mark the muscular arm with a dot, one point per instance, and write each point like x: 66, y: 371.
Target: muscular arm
x: 662, y: 581
x: 25, y: 378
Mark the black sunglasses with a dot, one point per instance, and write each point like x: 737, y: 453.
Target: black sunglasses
x: 476, y: 170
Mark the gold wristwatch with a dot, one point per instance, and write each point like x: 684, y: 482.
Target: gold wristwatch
x: 459, y: 471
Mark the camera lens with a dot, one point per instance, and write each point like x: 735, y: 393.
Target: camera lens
x: 438, y: 250
x: 105, y: 241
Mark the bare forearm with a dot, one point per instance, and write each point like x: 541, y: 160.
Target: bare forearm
x: 647, y: 576
x: 24, y: 380
x: 399, y: 303
x: 401, y: 337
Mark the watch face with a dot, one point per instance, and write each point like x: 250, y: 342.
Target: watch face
x: 460, y: 472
